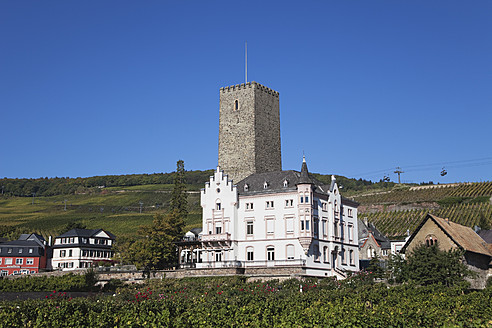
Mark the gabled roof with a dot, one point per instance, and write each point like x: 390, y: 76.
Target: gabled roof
x: 464, y: 237
x: 85, y: 233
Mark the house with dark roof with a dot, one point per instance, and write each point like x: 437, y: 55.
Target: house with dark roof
x: 372, y: 242
x: 281, y: 221
x: 82, y: 248
x: 26, y: 255
x: 449, y: 235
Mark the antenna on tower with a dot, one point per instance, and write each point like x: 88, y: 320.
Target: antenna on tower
x: 246, y: 62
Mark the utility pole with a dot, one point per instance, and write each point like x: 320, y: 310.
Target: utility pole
x: 140, y: 207
x: 399, y: 171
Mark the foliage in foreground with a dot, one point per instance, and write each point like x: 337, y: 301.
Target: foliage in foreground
x: 69, y: 282
x: 214, y: 302
x: 428, y: 265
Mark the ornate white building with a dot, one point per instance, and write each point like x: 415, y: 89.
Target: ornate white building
x: 277, y: 220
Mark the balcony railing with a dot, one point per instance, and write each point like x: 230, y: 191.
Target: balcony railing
x: 248, y: 264
x: 217, y: 237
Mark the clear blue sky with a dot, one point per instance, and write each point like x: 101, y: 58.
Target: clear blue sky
x: 120, y: 87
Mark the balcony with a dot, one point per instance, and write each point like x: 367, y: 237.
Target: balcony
x: 250, y: 264
x: 217, y: 237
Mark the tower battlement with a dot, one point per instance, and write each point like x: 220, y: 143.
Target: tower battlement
x: 251, y: 84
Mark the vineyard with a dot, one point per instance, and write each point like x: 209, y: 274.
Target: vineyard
x: 232, y: 302
x: 396, y: 223
x: 409, y: 195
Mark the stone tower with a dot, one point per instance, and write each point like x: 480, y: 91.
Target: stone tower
x: 249, y: 130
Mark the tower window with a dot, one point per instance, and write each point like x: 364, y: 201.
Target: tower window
x: 236, y: 104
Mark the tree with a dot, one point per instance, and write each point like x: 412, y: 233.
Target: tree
x: 427, y: 265
x: 155, y: 249
x: 179, y: 198
x: 375, y: 267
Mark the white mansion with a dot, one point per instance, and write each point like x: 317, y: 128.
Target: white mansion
x: 277, y: 219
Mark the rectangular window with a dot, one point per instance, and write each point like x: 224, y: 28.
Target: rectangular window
x: 8, y: 261
x: 249, y: 206
x: 270, y: 253
x: 270, y: 226
x: 249, y: 228
x: 217, y: 206
x: 30, y: 250
x: 218, y: 230
x: 307, y: 225
x: 335, y: 228
x: 250, y: 254
x: 20, y: 250
x: 302, y: 225
x: 290, y: 252
x: 218, y: 256
x: 289, y: 225
x: 324, y: 227
x: 323, y: 206
x: 269, y: 204
x: 9, y: 250
x: 385, y: 252
x: 289, y: 203
x: 29, y: 261
x: 344, y: 259
x: 63, y: 253
x: 351, y: 232
x: 70, y: 253
x: 306, y: 199
x: 302, y: 199
x: 316, y: 253
x: 350, y: 214
x: 19, y: 261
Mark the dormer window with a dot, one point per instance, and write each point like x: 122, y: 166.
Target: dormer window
x: 265, y: 185
x: 286, y: 183
x: 246, y: 187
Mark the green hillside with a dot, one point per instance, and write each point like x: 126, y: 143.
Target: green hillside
x: 467, y: 204
x: 114, y: 209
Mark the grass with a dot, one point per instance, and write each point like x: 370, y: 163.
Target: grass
x: 113, y: 210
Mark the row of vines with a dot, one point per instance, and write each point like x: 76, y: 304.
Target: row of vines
x: 405, y: 195
x: 223, y: 302
x: 396, y: 223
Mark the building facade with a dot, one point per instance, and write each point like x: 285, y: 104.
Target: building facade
x: 26, y: 255
x: 249, y: 130
x: 82, y: 248
x: 276, y: 220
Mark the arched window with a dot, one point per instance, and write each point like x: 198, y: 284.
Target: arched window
x: 270, y: 253
x: 430, y: 240
x: 325, y: 254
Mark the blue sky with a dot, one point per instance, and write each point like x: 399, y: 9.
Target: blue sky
x: 120, y: 87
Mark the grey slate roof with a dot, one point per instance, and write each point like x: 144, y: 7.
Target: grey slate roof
x: 486, y: 235
x: 364, y: 231
x: 84, y: 233
x: 275, y: 182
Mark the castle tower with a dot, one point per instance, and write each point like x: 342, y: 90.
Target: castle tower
x: 249, y: 130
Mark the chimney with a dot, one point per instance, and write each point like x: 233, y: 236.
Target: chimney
x: 49, y: 241
x: 365, y: 221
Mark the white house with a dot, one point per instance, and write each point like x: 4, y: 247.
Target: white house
x: 276, y: 220
x: 82, y: 248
